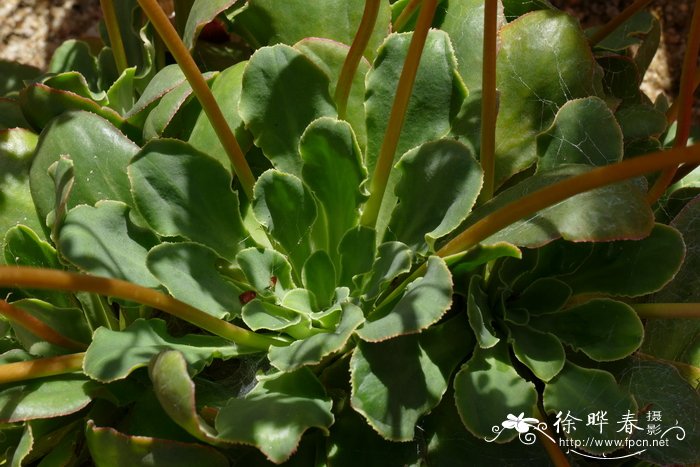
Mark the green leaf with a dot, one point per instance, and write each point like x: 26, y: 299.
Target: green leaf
x: 488, y: 388
x: 68, y: 322
x: 258, y: 315
x: 277, y: 78
x: 182, y: 192
x: 271, y: 22
x: 437, y: 95
x: 352, y: 442
x: 396, y: 382
x: 329, y: 56
x: 515, y: 8
x: 356, y: 250
x: 175, y: 390
x: 171, y: 107
x: 113, y: 355
x: 312, y: 350
x: 44, y: 398
x: 626, y: 35
x: 99, y: 152
x: 578, y: 392
x: 111, y: 448
x: 162, y: 83
x: 438, y: 185
x: 190, y: 272
x: 286, y: 208
x: 424, y: 302
x: 545, y: 295
x: 584, y: 131
x: 74, y: 55
x: 392, y: 260
x: 531, y: 95
x: 679, y: 339
x: 16, y: 205
x: 227, y: 91
x: 640, y: 122
x: 464, y: 22
x: 266, y: 270
x: 103, y: 241
x: 603, y: 329
x: 318, y: 276
x: 13, y: 75
x: 295, y: 401
x: 201, y: 13
x: 613, y: 212
x: 660, y: 388
x: 450, y: 443
x: 333, y: 171
x: 479, y: 315
x: 631, y: 268
x: 10, y: 113
x: 541, y: 352
x: 121, y: 95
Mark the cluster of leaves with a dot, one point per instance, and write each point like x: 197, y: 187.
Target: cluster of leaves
x: 364, y: 343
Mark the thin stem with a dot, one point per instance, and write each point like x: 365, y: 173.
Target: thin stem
x: 41, y: 367
x: 406, y: 14
x: 352, y: 60
x: 614, y: 23
x: 398, y: 114
x: 114, y: 33
x: 489, y: 101
x: 557, y: 192
x: 199, y: 85
x: 38, y: 327
x: 685, y: 110
x: 554, y: 452
x: 39, y: 278
x: 667, y: 310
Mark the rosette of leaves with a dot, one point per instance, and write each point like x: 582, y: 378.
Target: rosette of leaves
x: 314, y: 334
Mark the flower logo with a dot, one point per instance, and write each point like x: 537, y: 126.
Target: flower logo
x: 520, y: 423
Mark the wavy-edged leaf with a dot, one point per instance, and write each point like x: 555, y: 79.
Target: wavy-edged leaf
x: 545, y: 295
x: 312, y: 350
x: 14, y: 74
x: 531, y: 95
x: 266, y: 270
x: 201, y: 13
x: 227, y: 91
x: 258, y: 315
x: 392, y: 260
x: 631, y: 268
x: 577, y: 392
x: 438, y: 185
x: 103, y: 241
x: 111, y: 448
x: 276, y: 78
x: 113, y: 355
x: 44, y: 398
x: 396, y: 382
x: 603, y: 329
x: 287, y: 209
x: 356, y: 249
x: 318, y: 275
x: 329, y: 56
x: 423, y: 303
x: 276, y: 413
x: 167, y: 79
x: 16, y: 205
x: 271, y: 22
x: 190, y: 272
x: 332, y: 169
x: 541, y: 352
x: 614, y: 212
x: 100, y: 153
x: 488, y: 388
x: 182, y: 192
x: 479, y: 315
x: 175, y: 391
x: 584, y: 131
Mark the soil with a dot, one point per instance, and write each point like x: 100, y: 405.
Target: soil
x: 30, y: 30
